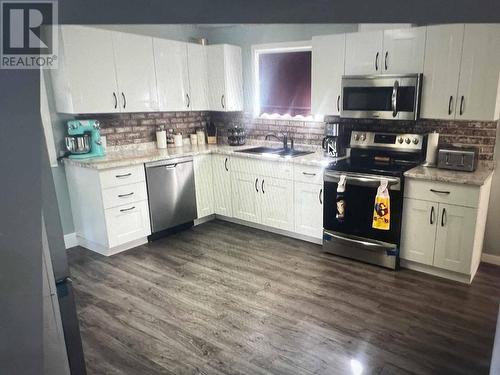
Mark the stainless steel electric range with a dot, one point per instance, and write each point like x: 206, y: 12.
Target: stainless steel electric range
x: 374, y: 157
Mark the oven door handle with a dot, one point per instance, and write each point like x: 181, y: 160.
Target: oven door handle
x: 374, y: 244
x: 362, y: 179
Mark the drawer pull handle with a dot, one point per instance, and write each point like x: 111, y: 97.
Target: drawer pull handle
x: 440, y: 191
x: 123, y: 175
x: 127, y: 209
x: 309, y: 174
x: 125, y: 195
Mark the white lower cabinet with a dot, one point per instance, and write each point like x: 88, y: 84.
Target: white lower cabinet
x: 222, y: 189
x: 444, y: 236
x: 308, y: 205
x: 246, y: 197
x: 203, y: 180
x: 127, y: 223
x: 277, y: 203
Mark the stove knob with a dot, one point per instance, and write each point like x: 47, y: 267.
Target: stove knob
x: 408, y: 141
x: 363, y: 137
x: 356, y: 137
x: 415, y: 141
x: 401, y: 140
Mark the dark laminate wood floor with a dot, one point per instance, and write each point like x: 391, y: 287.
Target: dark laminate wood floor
x: 223, y: 298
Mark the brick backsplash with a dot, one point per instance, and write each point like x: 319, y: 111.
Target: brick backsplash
x: 480, y: 134
x: 128, y: 128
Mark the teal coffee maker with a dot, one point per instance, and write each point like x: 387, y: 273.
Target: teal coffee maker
x: 84, y: 139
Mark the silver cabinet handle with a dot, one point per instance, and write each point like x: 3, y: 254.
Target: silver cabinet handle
x: 444, y: 218
x: 125, y: 195
x: 431, y: 218
x: 394, y: 99
x: 171, y: 166
x: 385, y: 59
x: 124, y: 100
x: 123, y: 175
x: 188, y: 100
x: 256, y: 182
x: 450, y: 104
x: 262, y: 187
x: 376, y: 61
x: 319, y: 196
x: 127, y: 209
x: 462, y: 105
x: 116, y: 99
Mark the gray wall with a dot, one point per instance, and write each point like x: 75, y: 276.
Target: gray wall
x: 492, y: 234
x: 247, y: 35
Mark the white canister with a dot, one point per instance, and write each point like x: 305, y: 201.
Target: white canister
x: 194, y: 139
x: 200, y: 134
x: 178, y: 140
x: 161, y: 139
x: 186, y: 141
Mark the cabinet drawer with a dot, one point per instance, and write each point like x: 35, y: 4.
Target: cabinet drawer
x: 307, y: 173
x: 460, y: 195
x: 276, y: 169
x: 124, y: 194
x: 127, y: 223
x: 122, y: 176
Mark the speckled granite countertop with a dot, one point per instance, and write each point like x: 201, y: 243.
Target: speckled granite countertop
x: 133, y: 156
x: 478, y: 177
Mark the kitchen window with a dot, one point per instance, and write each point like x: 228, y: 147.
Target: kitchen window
x: 283, y: 81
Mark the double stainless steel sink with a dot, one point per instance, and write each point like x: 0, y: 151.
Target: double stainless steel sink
x: 277, y: 152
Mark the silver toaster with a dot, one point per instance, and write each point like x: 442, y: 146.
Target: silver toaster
x: 458, y: 158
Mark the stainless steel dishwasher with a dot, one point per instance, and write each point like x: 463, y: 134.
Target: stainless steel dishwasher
x: 171, y: 191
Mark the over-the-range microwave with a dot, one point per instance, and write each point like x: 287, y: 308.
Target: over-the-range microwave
x: 388, y: 96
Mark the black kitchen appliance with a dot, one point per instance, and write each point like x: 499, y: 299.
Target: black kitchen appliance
x: 374, y: 157
x: 336, y: 140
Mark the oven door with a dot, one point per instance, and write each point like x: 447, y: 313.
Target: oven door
x: 392, y: 97
x: 354, y: 236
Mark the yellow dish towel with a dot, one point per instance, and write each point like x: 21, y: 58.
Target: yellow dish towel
x: 382, y: 207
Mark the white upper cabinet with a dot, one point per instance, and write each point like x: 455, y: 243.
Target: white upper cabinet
x: 225, y: 78
x: 135, y: 72
x: 84, y: 84
x: 328, y: 53
x: 403, y: 51
x: 443, y: 50
x: 198, y: 77
x: 172, y: 78
x: 479, y: 73
x: 363, y: 53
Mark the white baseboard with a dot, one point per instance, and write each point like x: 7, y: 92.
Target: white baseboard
x: 70, y: 240
x: 490, y: 258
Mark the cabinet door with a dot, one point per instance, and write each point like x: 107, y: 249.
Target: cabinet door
x: 308, y: 206
x: 90, y: 80
x: 277, y: 203
x: 479, y: 73
x: 233, y: 78
x: 455, y: 237
x: 418, y: 230
x: 404, y: 51
x: 198, y: 77
x: 328, y: 54
x: 127, y: 223
x: 216, y: 79
x: 443, y: 51
x: 172, y: 76
x: 135, y: 72
x: 222, y: 185
x: 363, y: 53
x: 246, y: 197
x: 204, y: 187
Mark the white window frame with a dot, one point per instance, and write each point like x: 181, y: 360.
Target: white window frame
x: 257, y: 50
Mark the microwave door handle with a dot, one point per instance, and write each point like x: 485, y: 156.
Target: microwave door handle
x: 394, y: 99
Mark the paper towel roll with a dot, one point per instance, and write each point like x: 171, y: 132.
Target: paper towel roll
x: 432, y: 145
